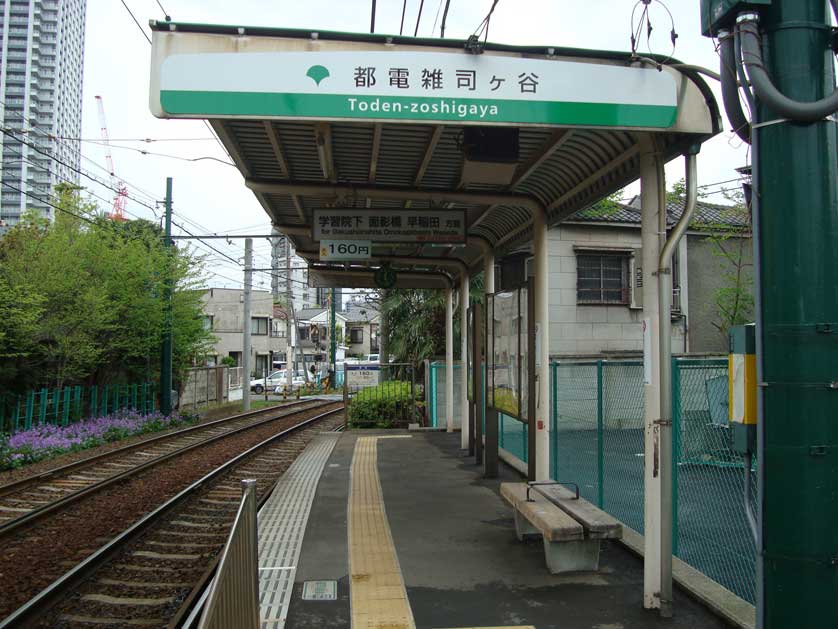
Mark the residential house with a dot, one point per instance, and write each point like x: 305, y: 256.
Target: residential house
x: 224, y: 316
x: 596, y: 282
x: 362, y: 329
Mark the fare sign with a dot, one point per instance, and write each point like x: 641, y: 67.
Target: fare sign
x: 341, y: 250
x: 444, y: 226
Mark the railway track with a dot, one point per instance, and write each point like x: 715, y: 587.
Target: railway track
x: 39, y: 553
x: 29, y: 499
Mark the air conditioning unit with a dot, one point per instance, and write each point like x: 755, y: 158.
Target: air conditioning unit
x: 636, y: 280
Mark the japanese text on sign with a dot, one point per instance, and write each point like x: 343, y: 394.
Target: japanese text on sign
x: 390, y: 225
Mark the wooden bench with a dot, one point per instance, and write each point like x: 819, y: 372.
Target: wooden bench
x: 571, y: 527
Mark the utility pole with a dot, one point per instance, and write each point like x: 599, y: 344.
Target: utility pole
x: 797, y: 189
x: 166, y: 351
x: 248, y: 285
x: 289, y: 316
x: 334, y: 362
x: 786, y: 52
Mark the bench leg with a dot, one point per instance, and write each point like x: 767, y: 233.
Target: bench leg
x: 572, y: 556
x: 523, y: 529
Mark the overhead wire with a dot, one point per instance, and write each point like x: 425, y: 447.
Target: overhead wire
x: 418, y: 17
x: 139, y: 26
x: 72, y: 150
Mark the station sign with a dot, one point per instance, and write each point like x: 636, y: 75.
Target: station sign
x: 412, y: 87
x: 344, y: 250
x: 362, y: 375
x: 407, y: 225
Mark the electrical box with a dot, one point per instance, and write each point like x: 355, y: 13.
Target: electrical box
x: 742, y: 387
x: 719, y: 14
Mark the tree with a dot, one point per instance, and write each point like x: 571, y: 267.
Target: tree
x: 730, y: 237
x: 86, y: 293
x: 416, y: 321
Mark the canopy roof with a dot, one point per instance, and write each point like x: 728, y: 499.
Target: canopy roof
x: 305, y: 160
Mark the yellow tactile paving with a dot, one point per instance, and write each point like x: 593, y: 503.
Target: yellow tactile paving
x: 378, y: 596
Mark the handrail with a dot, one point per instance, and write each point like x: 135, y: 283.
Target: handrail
x: 233, y: 599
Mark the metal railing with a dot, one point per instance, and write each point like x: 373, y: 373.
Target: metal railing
x: 233, y: 598
x: 66, y: 405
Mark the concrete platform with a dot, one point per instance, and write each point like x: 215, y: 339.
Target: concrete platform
x: 452, y: 539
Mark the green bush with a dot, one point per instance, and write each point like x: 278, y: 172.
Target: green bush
x: 381, y: 406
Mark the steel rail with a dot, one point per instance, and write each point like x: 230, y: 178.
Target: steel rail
x: 194, y: 601
x: 36, y: 514
x: 16, y: 485
x: 43, y: 602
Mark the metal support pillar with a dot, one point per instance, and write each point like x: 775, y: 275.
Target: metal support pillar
x: 477, y: 383
x: 248, y: 285
x: 449, y: 359
x: 464, y: 413
x: 541, y: 285
x: 651, y: 174
x: 166, y: 350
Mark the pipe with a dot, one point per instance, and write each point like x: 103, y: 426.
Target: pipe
x: 665, y: 359
x: 730, y: 89
x: 764, y: 87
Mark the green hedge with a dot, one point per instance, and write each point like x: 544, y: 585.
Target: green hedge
x: 382, y: 405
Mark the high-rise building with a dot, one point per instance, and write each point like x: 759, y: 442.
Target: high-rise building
x: 41, y: 63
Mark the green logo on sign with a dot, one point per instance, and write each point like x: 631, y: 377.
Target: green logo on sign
x: 317, y: 73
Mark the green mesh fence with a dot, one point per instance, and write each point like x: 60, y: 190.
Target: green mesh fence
x: 712, y: 532
x: 597, y: 442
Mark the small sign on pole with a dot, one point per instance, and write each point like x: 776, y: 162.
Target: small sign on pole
x: 340, y: 250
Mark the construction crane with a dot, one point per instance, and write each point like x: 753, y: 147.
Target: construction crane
x: 119, y: 201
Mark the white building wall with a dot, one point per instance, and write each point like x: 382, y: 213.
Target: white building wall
x: 592, y: 329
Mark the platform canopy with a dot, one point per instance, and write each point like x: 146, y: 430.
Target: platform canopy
x: 327, y: 126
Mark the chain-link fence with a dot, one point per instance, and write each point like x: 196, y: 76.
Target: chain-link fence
x: 711, y: 529
x: 597, y: 442
x: 596, y: 437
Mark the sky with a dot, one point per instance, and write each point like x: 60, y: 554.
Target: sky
x: 210, y: 196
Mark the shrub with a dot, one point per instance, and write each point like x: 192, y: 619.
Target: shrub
x: 49, y: 440
x: 381, y: 406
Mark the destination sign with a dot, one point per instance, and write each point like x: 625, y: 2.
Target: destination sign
x: 443, y: 226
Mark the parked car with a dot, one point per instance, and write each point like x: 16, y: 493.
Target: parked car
x: 297, y: 381
x: 372, y: 358
x: 258, y: 385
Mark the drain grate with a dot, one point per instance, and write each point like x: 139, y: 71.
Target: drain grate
x: 320, y: 591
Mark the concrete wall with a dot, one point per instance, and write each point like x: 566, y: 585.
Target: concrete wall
x: 584, y: 329
x: 706, y: 272
x: 204, y: 386
x: 226, y: 308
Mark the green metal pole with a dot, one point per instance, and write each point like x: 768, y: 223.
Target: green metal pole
x: 676, y: 448
x: 334, y: 363
x: 797, y: 184
x: 599, y: 434
x: 166, y: 352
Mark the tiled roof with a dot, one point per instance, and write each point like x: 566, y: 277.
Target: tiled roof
x: 706, y: 215
x: 307, y: 314
x: 360, y: 312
